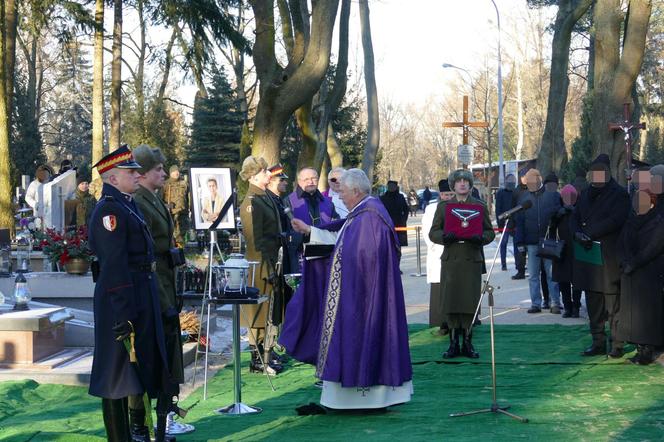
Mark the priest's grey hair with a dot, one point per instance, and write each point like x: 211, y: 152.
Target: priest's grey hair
x: 356, y: 179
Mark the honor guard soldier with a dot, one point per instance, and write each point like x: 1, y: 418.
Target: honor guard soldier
x: 176, y: 197
x: 261, y: 227
x: 130, y: 354
x: 161, y: 226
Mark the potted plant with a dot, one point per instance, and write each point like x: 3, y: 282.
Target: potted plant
x: 69, y: 250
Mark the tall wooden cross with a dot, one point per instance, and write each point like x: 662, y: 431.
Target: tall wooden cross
x: 465, y: 124
x: 626, y: 126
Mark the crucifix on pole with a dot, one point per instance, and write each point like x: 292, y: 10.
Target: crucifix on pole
x: 466, y: 124
x: 626, y: 126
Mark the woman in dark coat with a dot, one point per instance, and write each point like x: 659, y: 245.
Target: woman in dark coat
x: 641, y: 253
x: 562, y: 270
x: 397, y: 208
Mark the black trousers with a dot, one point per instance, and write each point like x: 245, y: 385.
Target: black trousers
x: 520, y: 261
x: 543, y: 283
x: 571, y: 297
x: 603, y: 308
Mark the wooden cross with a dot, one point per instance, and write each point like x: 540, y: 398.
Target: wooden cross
x: 626, y: 126
x: 465, y: 124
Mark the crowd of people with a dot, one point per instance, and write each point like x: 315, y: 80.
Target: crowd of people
x: 347, y: 317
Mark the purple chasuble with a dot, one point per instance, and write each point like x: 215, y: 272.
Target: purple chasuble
x: 300, y: 334
x: 364, y: 334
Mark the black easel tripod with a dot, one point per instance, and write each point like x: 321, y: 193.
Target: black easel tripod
x: 488, y: 289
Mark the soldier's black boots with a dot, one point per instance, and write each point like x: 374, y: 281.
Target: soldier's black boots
x: 467, y: 349
x: 139, y: 432
x: 256, y: 366
x: 453, y: 350
x: 644, y: 355
x: 116, y: 419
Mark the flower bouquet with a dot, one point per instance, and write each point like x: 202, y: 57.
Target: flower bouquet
x: 61, y: 248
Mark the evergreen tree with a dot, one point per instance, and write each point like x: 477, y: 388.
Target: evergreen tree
x: 216, y: 130
x: 582, y: 145
x: 27, y: 151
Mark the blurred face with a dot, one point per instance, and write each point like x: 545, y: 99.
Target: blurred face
x: 278, y: 185
x: 350, y: 197
x: 462, y: 187
x: 446, y: 196
x: 551, y: 187
x: 283, y: 185
x: 392, y: 187
x: 307, y: 179
x: 333, y: 180
x: 43, y: 175
x: 154, y: 178
x: 533, y: 182
x: 125, y: 180
x: 569, y: 199
x: 598, y: 178
x: 642, y: 202
x: 175, y: 174
x: 510, y: 182
x: 83, y: 186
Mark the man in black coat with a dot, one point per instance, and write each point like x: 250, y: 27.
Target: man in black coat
x: 520, y: 257
x: 397, y: 207
x: 504, y: 202
x: 601, y: 213
x: 126, y: 302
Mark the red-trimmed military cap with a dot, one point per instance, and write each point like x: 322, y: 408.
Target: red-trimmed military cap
x: 122, y: 158
x: 277, y: 170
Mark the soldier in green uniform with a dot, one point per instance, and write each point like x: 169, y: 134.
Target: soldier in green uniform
x: 176, y: 196
x: 85, y: 202
x: 261, y: 227
x: 160, y: 225
x: 461, y: 267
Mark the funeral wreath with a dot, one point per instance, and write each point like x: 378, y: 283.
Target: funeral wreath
x: 61, y: 247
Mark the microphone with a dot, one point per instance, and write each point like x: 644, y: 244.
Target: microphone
x: 289, y: 213
x: 526, y: 205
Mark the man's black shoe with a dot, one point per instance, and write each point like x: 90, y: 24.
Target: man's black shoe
x: 616, y: 353
x: 503, y: 268
x: 593, y: 351
x: 534, y: 310
x: 519, y: 276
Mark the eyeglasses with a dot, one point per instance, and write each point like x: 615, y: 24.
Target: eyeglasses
x: 333, y: 180
x: 283, y: 179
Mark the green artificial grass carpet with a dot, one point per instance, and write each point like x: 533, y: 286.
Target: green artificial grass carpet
x: 539, y: 373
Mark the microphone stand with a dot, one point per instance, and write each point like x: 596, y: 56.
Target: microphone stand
x: 488, y: 289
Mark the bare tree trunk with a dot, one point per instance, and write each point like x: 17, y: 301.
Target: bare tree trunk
x: 552, y: 150
x: 11, y: 21
x: 615, y: 74
x: 519, y: 114
x: 116, y: 77
x: 168, y: 60
x: 6, y: 212
x: 373, y: 123
x: 333, y: 149
x: 98, y: 88
x: 283, y: 90
x: 195, y: 63
x: 139, y: 81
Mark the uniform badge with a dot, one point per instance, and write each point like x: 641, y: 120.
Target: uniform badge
x: 110, y: 222
x: 249, y: 208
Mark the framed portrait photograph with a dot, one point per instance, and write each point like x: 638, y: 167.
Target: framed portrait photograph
x: 210, y: 189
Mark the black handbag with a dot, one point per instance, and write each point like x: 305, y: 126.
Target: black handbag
x: 551, y: 248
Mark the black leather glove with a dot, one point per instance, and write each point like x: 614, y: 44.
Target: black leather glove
x: 122, y: 330
x: 584, y: 240
x: 449, y: 238
x: 477, y: 240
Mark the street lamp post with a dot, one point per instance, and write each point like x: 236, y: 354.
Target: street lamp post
x: 501, y: 170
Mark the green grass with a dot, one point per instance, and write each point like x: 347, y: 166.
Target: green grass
x: 540, y: 374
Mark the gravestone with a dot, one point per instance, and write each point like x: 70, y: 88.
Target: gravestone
x: 56, y: 192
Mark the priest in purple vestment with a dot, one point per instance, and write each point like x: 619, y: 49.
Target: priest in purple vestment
x: 362, y: 355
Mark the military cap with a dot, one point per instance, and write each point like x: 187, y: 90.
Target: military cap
x: 444, y: 186
x: 148, y: 157
x: 120, y: 158
x: 277, y: 171
x: 173, y: 168
x: 252, y: 166
x: 460, y: 174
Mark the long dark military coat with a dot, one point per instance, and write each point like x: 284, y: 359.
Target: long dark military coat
x: 125, y: 291
x: 461, y: 263
x: 641, y: 312
x: 160, y: 225
x: 261, y: 226
x: 601, y: 218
